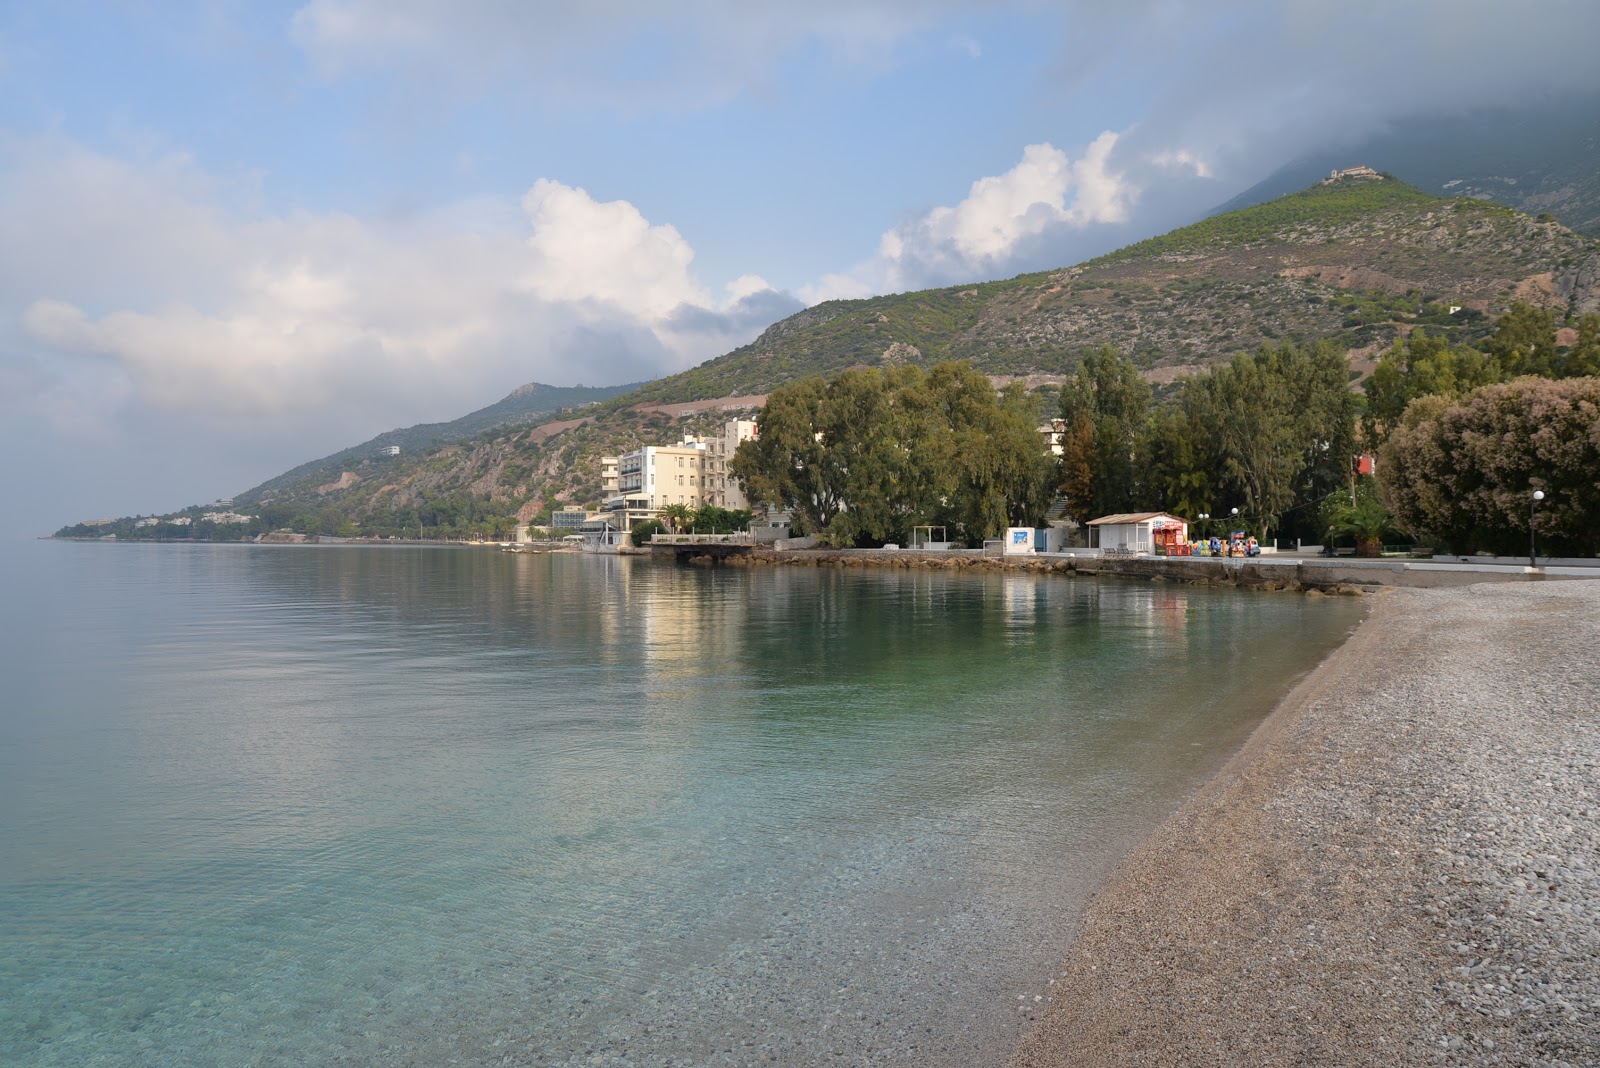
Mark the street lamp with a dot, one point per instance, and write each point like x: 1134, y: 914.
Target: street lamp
x: 1533, y: 540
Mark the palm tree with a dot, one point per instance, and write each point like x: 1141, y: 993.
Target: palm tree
x: 676, y: 515
x: 1367, y: 521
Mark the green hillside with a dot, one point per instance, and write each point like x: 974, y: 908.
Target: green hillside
x: 1358, y: 262
x: 1355, y: 261
x: 1537, y: 159
x: 524, y: 406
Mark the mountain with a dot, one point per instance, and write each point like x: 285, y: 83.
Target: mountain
x: 1543, y: 158
x: 1357, y: 261
x: 528, y: 404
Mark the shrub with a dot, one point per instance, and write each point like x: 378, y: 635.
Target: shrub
x: 1463, y: 473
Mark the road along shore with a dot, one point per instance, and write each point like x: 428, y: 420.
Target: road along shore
x: 1402, y: 866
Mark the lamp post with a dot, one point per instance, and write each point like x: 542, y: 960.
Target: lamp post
x: 1205, y: 517
x: 1533, y: 539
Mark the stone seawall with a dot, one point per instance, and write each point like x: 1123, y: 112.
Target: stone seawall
x: 1312, y: 576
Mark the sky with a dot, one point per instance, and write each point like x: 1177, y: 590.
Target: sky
x: 236, y: 235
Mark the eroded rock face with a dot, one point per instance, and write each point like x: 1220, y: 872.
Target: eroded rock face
x: 345, y: 481
x: 900, y: 352
x: 1580, y: 285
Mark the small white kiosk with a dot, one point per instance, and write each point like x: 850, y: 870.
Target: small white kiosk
x: 1133, y: 532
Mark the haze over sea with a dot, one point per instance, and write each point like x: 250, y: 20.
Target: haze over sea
x: 291, y: 805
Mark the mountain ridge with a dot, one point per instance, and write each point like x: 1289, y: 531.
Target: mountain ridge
x: 1537, y: 159
x: 1355, y: 262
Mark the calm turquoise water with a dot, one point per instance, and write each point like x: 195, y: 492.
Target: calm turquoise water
x: 288, y: 805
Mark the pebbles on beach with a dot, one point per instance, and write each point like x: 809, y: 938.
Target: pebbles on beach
x: 1402, y: 868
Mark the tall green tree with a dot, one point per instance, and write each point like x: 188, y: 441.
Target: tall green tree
x: 1583, y: 358
x: 1421, y: 365
x: 868, y: 456
x: 1108, y: 392
x: 1176, y: 467
x: 786, y: 463
x: 1524, y: 341
x: 1324, y: 410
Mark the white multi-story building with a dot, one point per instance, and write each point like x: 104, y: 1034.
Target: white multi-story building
x: 722, y: 489
x: 694, y: 473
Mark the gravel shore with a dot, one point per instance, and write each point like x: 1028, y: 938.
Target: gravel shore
x: 1401, y: 868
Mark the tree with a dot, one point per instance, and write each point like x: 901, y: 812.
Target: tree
x: 1274, y: 429
x: 1255, y: 435
x: 866, y: 457
x: 1524, y: 341
x: 1462, y: 473
x: 645, y: 529
x: 713, y: 520
x: 1365, y: 520
x: 1109, y: 394
x: 1424, y: 364
x: 785, y: 463
x: 1175, y: 466
x: 1583, y: 359
x: 677, y: 516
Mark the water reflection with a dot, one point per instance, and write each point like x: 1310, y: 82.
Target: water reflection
x: 432, y: 800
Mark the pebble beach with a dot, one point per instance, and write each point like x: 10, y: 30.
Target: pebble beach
x: 1401, y: 867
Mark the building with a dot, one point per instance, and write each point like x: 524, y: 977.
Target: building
x: 694, y: 473
x: 568, y: 520
x: 721, y: 488
x: 1360, y: 171
x: 1133, y: 532
x: 1052, y: 433
x: 603, y: 536
x: 388, y: 450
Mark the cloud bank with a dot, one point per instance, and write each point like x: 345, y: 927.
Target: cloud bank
x: 168, y: 285
x: 635, y: 53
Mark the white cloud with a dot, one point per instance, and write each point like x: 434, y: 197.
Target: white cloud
x: 634, y: 52
x: 1183, y: 159
x: 207, y: 311
x: 585, y: 250
x: 1002, y: 220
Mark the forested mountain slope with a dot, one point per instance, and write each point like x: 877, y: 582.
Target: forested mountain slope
x: 1357, y: 262
x: 526, y: 405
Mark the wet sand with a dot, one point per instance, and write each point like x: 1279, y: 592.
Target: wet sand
x: 1401, y: 867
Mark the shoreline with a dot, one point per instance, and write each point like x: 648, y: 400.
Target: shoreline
x: 1397, y: 867
x: 1292, y: 574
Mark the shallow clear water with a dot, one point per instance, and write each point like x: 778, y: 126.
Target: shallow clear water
x: 292, y: 805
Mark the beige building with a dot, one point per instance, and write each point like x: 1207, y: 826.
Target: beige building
x: 721, y: 488
x: 694, y: 473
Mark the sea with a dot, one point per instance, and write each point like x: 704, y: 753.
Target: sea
x: 404, y: 805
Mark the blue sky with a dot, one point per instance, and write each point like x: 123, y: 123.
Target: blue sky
x: 239, y: 235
